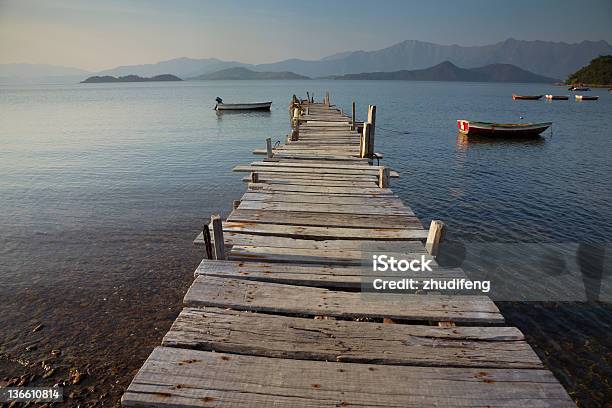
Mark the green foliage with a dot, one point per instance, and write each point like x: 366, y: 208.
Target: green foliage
x: 598, y: 72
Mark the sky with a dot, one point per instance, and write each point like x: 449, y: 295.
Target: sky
x: 97, y: 35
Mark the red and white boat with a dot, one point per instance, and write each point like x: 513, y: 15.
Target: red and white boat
x: 472, y: 128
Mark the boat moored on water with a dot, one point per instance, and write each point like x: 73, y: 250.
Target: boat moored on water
x: 472, y: 128
x: 557, y: 97
x: 257, y: 106
x: 526, y: 97
x: 587, y: 97
x: 579, y: 88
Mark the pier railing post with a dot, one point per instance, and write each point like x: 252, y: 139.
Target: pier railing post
x: 254, y: 177
x: 436, y: 233
x: 364, y: 141
x: 383, y: 178
x: 269, y: 148
x: 353, y: 117
x: 236, y: 204
x: 218, y: 237
x: 372, y: 120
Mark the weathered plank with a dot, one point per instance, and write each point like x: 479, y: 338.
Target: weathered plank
x: 325, y: 219
x: 325, y: 233
x: 386, y: 201
x: 301, y: 300
x: 276, y: 188
x: 257, y: 334
x: 323, y: 276
x: 383, y: 209
x: 176, y: 377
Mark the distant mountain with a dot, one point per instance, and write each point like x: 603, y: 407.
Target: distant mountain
x: 598, y: 72
x: 130, y: 78
x: 182, y: 67
x: 447, y: 71
x: 28, y: 71
x: 244, y: 73
x: 551, y: 59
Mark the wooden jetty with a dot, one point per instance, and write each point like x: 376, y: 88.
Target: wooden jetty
x: 274, y: 317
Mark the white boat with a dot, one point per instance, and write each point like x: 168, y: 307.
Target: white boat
x: 220, y: 106
x: 587, y: 97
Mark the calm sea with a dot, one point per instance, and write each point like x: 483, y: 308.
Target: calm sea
x: 104, y: 186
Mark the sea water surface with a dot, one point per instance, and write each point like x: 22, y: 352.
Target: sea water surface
x: 104, y: 186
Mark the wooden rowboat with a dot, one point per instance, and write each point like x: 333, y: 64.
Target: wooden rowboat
x: 526, y: 97
x: 220, y: 106
x: 471, y: 128
x: 557, y: 97
x: 586, y: 98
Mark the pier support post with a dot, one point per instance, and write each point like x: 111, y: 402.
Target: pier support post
x: 435, y: 236
x: 254, y: 177
x: 383, y: 178
x: 269, y: 148
x: 364, y: 141
x: 236, y: 204
x: 372, y: 131
x: 218, y: 237
x: 353, y: 117
x: 208, y: 251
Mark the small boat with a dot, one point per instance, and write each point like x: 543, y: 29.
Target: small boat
x: 471, y: 128
x: 526, y: 97
x: 557, y: 97
x: 578, y: 88
x: 220, y: 106
x: 586, y: 98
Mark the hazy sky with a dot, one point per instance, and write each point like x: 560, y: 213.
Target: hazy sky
x: 102, y: 34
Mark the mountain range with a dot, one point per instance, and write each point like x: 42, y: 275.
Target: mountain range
x: 245, y: 73
x: 447, y: 71
x: 549, y: 59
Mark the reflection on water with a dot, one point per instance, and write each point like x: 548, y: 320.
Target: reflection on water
x: 464, y: 141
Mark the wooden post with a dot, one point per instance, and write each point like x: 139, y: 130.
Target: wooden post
x: 383, y: 178
x: 364, y: 142
x: 207, y: 242
x: 327, y: 98
x: 295, y: 134
x: 269, y: 148
x: 435, y: 236
x: 236, y: 203
x: 254, y: 177
x: 372, y: 120
x: 218, y: 237
x: 353, y: 117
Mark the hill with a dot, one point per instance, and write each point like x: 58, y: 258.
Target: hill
x: 550, y: 59
x: 244, y: 73
x: 447, y: 71
x: 598, y: 72
x: 130, y: 78
x: 182, y: 67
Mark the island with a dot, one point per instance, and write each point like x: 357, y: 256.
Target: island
x: 447, y: 71
x: 130, y: 78
x: 240, y: 73
x: 597, y: 73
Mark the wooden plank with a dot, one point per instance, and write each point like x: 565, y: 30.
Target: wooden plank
x: 269, y: 187
x: 230, y: 331
x: 385, y: 201
x: 304, y: 170
x: 323, y: 276
x: 303, y: 300
x: 323, y: 233
x: 326, y: 208
x: 248, y: 239
x: 303, y: 181
x: 174, y: 377
x: 322, y: 219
